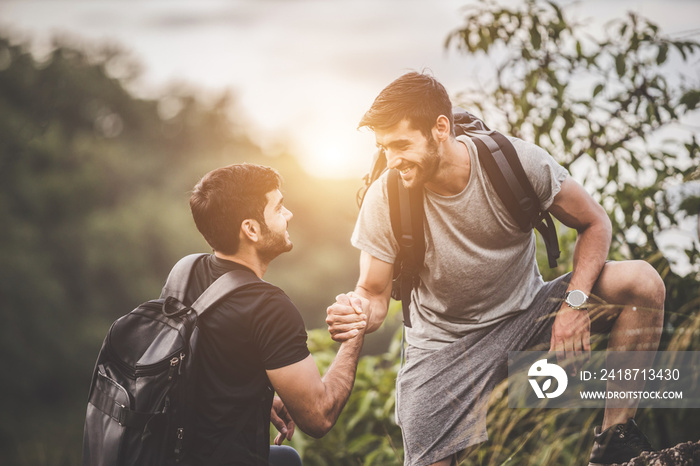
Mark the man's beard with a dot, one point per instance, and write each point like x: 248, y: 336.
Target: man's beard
x: 273, y: 244
x: 428, y: 167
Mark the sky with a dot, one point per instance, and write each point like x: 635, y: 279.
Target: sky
x: 303, y: 71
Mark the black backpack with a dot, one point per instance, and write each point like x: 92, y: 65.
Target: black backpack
x: 502, y: 165
x: 138, y: 408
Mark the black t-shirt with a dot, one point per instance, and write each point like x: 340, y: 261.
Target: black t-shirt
x: 254, y: 329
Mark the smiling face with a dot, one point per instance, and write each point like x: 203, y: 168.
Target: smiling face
x: 275, y: 237
x: 409, y: 151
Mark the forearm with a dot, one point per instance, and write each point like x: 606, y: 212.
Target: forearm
x: 337, y: 383
x: 590, y: 254
x: 575, y: 208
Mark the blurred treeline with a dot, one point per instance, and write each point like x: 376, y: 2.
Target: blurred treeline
x: 94, y: 189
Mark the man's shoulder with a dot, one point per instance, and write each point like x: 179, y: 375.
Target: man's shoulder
x: 261, y: 292
x: 377, y: 191
x: 258, y: 305
x: 526, y: 150
x: 526, y: 147
x: 256, y: 291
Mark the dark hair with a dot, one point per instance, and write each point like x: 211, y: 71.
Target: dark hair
x: 227, y: 196
x: 418, y: 97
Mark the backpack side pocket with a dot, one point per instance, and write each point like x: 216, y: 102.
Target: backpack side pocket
x: 103, y: 439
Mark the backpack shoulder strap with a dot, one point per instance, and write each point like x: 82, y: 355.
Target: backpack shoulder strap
x: 392, y: 186
x: 497, y: 155
x: 176, y: 284
x: 502, y: 164
x: 406, y: 213
x: 222, y: 287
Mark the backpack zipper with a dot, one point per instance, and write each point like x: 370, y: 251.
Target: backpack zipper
x: 178, y: 444
x: 171, y: 362
x: 151, y: 369
x: 174, y: 364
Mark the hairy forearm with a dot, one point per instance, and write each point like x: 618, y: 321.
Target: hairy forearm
x: 338, y: 383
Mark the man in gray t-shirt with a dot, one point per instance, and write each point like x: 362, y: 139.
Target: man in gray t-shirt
x: 478, y: 262
x: 480, y: 293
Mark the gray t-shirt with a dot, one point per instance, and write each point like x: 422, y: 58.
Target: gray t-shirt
x: 480, y: 268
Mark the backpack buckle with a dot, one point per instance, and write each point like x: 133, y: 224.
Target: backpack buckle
x: 121, y: 414
x: 172, y: 307
x: 406, y: 241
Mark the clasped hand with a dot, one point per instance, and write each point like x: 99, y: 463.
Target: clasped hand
x: 348, y: 316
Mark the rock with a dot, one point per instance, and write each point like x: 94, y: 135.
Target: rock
x: 683, y: 454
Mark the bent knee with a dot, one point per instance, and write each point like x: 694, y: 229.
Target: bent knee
x: 633, y: 282
x: 650, y: 284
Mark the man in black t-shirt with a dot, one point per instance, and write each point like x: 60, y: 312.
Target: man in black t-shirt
x: 254, y: 343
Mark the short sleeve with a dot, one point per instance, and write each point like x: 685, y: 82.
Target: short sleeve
x: 373, y: 233
x: 544, y: 173
x: 279, y: 332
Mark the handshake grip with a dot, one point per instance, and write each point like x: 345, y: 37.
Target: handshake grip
x: 348, y: 316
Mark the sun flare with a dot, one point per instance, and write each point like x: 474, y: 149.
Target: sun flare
x: 338, y: 152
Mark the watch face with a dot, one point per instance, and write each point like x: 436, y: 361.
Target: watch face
x: 576, y: 298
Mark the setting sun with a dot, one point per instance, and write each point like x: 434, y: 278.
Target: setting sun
x: 329, y: 146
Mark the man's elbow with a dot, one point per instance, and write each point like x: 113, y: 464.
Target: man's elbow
x: 318, y: 427
x: 600, y: 225
x: 605, y: 224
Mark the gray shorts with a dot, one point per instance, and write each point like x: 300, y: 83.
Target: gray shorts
x: 442, y: 395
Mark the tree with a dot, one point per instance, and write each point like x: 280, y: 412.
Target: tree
x: 605, y: 105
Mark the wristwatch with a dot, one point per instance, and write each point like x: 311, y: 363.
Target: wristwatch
x: 576, y: 299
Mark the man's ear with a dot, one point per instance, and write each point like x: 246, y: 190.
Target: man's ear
x: 442, y: 130
x: 250, y: 230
